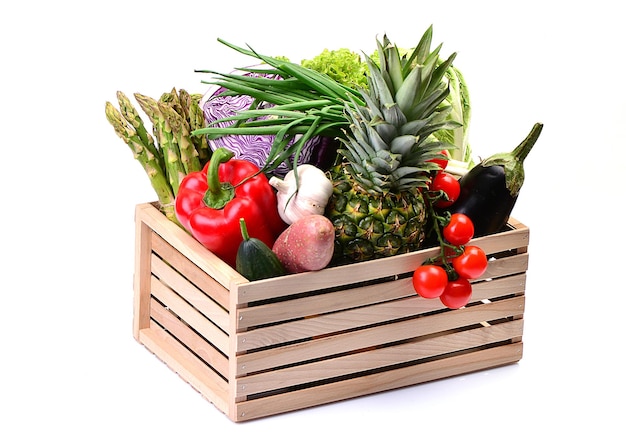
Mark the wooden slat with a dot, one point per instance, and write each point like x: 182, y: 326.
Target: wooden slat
x: 141, y: 278
x: 191, y: 316
x: 188, y: 366
x: 461, y: 364
x: 506, y: 266
x: 376, y: 336
x: 320, y: 304
x: 189, y: 338
x: 199, y: 300
x: 509, y: 240
x: 378, y: 358
x: 487, y: 289
x: 190, y: 271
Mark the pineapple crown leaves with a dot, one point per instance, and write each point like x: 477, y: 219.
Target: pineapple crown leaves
x: 391, y: 137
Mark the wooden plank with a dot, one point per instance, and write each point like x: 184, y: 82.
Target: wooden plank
x: 191, y: 316
x: 189, y: 367
x: 320, y: 304
x: 198, y: 299
x: 506, y: 266
x: 504, y: 241
x: 375, y: 336
x: 370, y: 384
x: 510, y: 285
x: 189, y: 338
x: 190, y: 271
x: 141, y: 276
x: 378, y: 358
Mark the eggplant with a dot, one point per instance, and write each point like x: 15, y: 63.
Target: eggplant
x: 490, y: 189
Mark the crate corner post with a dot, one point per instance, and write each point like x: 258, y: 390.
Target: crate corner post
x: 141, y: 275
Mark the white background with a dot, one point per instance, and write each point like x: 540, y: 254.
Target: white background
x: 69, y: 364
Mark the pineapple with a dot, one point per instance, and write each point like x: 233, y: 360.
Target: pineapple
x: 377, y: 205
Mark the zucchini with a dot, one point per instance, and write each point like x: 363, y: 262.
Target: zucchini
x: 255, y: 260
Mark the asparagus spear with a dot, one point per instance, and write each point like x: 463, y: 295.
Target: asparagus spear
x: 185, y: 101
x: 141, y: 152
x: 175, y: 152
x: 173, y: 100
x: 131, y: 115
x: 180, y: 137
x: 171, y: 155
x: 187, y: 106
x: 196, y: 121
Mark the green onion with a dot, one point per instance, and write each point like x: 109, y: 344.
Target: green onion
x: 306, y: 103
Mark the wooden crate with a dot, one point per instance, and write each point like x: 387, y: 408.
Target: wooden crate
x: 261, y: 348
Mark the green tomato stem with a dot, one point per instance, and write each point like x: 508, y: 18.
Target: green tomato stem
x: 439, y: 222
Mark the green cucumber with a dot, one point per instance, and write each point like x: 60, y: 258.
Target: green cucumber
x: 255, y: 260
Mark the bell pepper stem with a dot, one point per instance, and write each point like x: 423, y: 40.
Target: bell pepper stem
x: 218, y: 194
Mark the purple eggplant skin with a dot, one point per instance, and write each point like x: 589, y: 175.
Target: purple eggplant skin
x: 490, y: 189
x: 485, y: 199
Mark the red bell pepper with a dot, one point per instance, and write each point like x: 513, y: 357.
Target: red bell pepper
x: 210, y: 203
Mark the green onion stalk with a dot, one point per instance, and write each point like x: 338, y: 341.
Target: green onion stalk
x: 305, y: 103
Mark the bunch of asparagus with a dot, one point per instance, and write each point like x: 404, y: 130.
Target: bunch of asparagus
x: 175, y: 152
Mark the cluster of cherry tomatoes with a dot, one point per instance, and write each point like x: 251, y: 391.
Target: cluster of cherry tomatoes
x: 447, y: 276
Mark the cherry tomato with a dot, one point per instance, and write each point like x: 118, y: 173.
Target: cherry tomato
x: 472, y: 263
x: 457, y: 293
x: 459, y: 230
x: 443, y: 162
x: 429, y: 281
x: 450, y: 185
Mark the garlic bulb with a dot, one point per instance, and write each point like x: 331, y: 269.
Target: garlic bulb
x: 309, y: 198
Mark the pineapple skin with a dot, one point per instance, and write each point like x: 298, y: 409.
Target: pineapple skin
x: 369, y: 226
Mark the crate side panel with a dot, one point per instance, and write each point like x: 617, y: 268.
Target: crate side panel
x: 190, y: 271
x: 189, y: 338
x: 377, y: 359
x: 185, y: 289
x: 190, y: 315
x: 351, y: 388
x: 377, y: 335
x: 186, y: 365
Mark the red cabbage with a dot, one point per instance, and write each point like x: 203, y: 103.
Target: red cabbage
x: 319, y: 151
